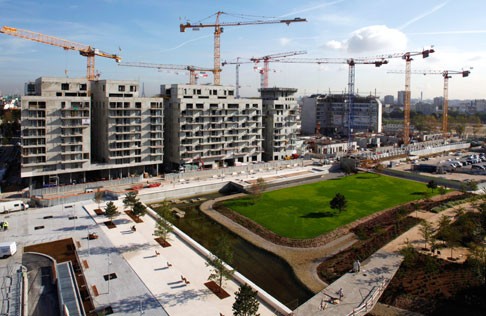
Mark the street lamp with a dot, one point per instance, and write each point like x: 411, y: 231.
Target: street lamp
x: 109, y: 276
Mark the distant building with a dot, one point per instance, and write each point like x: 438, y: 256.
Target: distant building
x: 280, y: 126
x: 426, y: 108
x: 401, y: 98
x: 331, y: 111
x: 389, y: 99
x: 439, y: 102
x: 206, y: 127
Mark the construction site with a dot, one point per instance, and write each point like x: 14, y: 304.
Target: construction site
x: 87, y: 143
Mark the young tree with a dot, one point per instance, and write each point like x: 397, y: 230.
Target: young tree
x: 246, y: 303
x: 339, y: 202
x: 111, y: 211
x: 432, y: 185
x: 139, y: 209
x: 222, y: 254
x: 98, y: 197
x: 163, y: 228
x: 130, y: 199
x: 257, y: 189
x: 427, y: 231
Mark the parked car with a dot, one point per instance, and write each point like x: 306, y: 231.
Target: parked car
x: 480, y: 167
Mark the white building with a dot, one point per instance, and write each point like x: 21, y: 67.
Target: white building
x: 280, y: 125
x: 206, y: 127
x: 74, y: 130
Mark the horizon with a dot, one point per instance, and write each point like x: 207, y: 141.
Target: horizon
x: 148, y: 31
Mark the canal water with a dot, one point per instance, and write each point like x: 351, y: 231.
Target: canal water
x: 268, y: 271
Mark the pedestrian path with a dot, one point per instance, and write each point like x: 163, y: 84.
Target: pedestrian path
x: 360, y: 290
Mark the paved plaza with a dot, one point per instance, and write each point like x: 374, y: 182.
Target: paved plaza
x: 144, y: 283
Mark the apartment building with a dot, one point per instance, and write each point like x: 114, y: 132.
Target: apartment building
x: 75, y: 131
x: 331, y: 111
x: 55, y: 129
x: 206, y: 127
x: 280, y: 125
x: 127, y: 130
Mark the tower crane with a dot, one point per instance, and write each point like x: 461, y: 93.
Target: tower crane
x: 352, y: 62
x: 408, y: 65
x: 266, y: 60
x: 446, y: 74
x: 218, y: 29
x: 193, y: 70
x: 84, y: 50
x: 237, y: 64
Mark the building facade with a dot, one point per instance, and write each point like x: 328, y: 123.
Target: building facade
x: 55, y: 129
x: 127, y: 130
x: 207, y: 127
x: 331, y: 114
x: 75, y: 131
x: 280, y: 123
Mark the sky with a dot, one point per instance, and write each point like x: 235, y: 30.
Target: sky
x: 148, y: 31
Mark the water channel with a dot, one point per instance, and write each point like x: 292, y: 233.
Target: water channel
x: 268, y: 271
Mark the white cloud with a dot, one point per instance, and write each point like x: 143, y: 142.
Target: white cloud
x: 284, y: 41
x: 334, y: 45
x: 371, y: 39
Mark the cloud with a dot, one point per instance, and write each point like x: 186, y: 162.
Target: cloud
x: 284, y: 41
x: 335, y: 45
x: 371, y: 38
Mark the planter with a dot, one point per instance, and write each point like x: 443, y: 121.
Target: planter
x: 217, y: 290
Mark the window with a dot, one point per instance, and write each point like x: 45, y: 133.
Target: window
x: 64, y: 86
x: 121, y: 88
x: 82, y: 87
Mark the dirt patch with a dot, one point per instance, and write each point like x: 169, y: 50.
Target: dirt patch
x: 134, y: 217
x: 433, y: 286
x: 217, y: 290
x: 62, y: 251
x: 164, y: 243
x: 110, y: 224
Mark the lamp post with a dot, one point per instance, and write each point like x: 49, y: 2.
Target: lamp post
x: 109, y: 276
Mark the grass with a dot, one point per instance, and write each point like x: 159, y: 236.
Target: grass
x: 303, y: 212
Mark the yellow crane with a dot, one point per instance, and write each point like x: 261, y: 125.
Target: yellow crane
x: 84, y: 50
x: 218, y: 29
x: 193, y: 70
x: 446, y: 74
x: 408, y: 66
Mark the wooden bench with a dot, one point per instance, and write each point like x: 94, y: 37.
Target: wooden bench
x: 95, y: 290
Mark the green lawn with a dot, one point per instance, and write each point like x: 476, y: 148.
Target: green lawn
x: 303, y: 212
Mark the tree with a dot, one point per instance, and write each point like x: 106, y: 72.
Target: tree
x: 163, y: 228
x: 222, y: 254
x: 432, y: 185
x: 111, y: 211
x: 130, y: 199
x: 427, y: 231
x: 348, y: 165
x: 139, y: 209
x: 338, y: 202
x: 257, y: 189
x: 98, y: 197
x: 246, y: 303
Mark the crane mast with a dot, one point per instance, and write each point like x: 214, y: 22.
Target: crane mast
x: 406, y: 106
x: 193, y: 70
x: 84, y: 50
x: 218, y: 29
x: 446, y: 74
